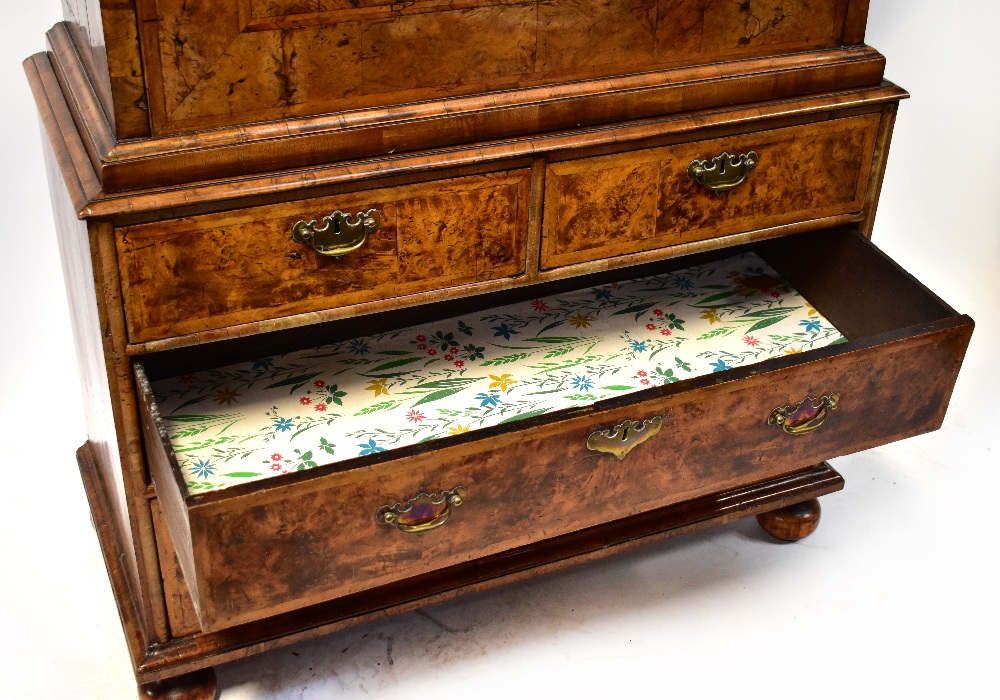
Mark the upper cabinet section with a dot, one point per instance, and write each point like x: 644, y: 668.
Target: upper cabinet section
x: 211, y: 64
x: 167, y: 92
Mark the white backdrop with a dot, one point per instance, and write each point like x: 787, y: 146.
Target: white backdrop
x: 895, y: 594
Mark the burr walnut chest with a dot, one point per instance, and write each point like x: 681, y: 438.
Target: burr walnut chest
x: 377, y: 302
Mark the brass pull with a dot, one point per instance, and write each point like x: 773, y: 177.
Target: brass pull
x: 338, y: 235
x: 423, y: 512
x: 624, y: 437
x: 805, y: 416
x: 724, y: 172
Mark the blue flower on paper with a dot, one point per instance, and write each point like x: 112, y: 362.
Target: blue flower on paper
x: 582, y: 382
x: 812, y: 326
x: 359, y: 346
x: 369, y: 448
x: 282, y: 424
x: 601, y: 294
x: 682, y: 283
x: 491, y: 400
x: 263, y: 363
x: 202, y: 468
x: 638, y: 346
x: 503, y: 330
x: 720, y: 366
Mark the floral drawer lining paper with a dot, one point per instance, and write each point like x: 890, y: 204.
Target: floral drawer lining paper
x: 368, y: 395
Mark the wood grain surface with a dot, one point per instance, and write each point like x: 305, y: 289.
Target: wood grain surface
x: 620, y: 204
x: 206, y: 272
x: 211, y: 65
x: 287, y: 545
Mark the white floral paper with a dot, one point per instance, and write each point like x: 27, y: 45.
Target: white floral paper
x: 372, y: 394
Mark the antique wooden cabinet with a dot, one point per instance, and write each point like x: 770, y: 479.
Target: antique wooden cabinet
x: 349, y: 279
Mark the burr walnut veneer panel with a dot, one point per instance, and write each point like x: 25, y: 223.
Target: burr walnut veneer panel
x: 210, y: 271
x: 219, y: 64
x: 629, y: 202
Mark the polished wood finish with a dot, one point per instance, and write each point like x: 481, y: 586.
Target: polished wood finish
x: 209, y: 65
x: 503, y: 115
x: 104, y: 40
x: 206, y: 272
x: 615, y: 205
x: 198, y: 685
x: 325, y: 138
x: 239, y: 570
x: 183, y: 655
x: 791, y: 523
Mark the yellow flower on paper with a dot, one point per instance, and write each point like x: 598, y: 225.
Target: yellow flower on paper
x: 502, y: 382
x: 711, y: 316
x: 378, y: 386
x: 458, y: 429
x: 225, y: 395
x: 580, y: 320
x: 792, y: 351
x: 811, y: 309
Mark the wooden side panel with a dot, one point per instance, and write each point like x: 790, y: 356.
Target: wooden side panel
x: 78, y: 252
x: 219, y: 64
x: 107, y: 35
x: 222, y: 269
x: 615, y: 205
x: 278, y: 549
x: 180, y: 611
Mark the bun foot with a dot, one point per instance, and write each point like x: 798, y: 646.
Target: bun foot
x: 792, y: 522
x: 200, y: 685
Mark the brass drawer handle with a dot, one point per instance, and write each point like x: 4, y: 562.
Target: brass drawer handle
x: 805, y: 416
x: 724, y: 172
x: 338, y: 235
x: 423, y: 512
x: 624, y: 437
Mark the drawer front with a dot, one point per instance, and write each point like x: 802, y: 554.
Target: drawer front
x: 217, y: 64
x: 303, y: 542
x: 626, y: 203
x: 217, y: 270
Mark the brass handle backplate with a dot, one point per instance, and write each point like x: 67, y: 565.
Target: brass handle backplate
x: 423, y: 512
x: 805, y: 416
x: 624, y: 437
x: 338, y: 235
x: 724, y: 172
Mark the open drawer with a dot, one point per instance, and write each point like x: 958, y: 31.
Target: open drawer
x: 636, y: 389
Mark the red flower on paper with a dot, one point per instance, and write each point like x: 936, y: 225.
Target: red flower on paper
x: 185, y: 378
x: 449, y: 357
x: 751, y: 341
x: 319, y: 384
x: 776, y: 295
x: 276, y: 467
x: 320, y: 407
x: 641, y: 373
x: 422, y: 346
x: 415, y: 416
x: 734, y: 273
x: 539, y: 305
x: 459, y: 363
x: 657, y: 312
x: 421, y: 338
x: 305, y: 401
x: 432, y: 352
x: 650, y: 327
x: 665, y: 331
x: 275, y: 457
x: 644, y: 381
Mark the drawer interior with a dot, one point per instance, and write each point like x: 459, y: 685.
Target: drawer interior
x: 283, y: 538
x: 357, y: 388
